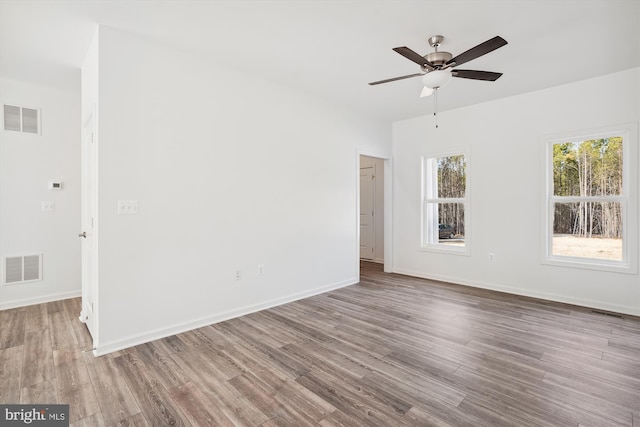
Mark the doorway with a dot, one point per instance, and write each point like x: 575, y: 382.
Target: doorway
x: 367, y: 212
x: 372, y: 211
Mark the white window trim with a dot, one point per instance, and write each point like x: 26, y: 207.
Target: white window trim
x: 425, y: 245
x: 628, y: 200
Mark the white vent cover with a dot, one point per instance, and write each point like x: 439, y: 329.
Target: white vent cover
x: 22, y: 268
x: 21, y: 119
x: 29, y: 120
x: 12, y: 118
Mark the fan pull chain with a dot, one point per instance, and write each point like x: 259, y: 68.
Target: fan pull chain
x: 435, y: 105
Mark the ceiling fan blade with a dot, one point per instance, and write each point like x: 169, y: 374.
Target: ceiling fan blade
x: 395, y: 78
x: 414, y: 56
x: 478, y: 51
x: 476, y: 75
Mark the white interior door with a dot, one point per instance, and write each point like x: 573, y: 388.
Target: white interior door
x: 367, y: 205
x: 88, y: 234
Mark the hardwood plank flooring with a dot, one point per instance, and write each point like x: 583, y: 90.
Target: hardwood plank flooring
x: 392, y: 350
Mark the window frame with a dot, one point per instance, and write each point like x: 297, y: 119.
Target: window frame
x: 425, y: 244
x: 628, y: 199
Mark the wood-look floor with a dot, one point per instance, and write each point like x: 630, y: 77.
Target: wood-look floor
x: 390, y: 351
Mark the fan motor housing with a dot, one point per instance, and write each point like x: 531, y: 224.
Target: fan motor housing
x: 438, y: 58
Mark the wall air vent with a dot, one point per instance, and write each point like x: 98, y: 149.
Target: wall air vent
x: 22, y: 268
x: 21, y: 119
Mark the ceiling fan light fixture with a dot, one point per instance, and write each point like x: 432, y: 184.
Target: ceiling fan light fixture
x: 426, y: 91
x: 436, y: 79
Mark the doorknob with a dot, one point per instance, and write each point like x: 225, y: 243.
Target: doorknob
x: 83, y: 234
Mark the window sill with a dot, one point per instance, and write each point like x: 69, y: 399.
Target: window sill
x: 591, y: 264
x: 445, y: 249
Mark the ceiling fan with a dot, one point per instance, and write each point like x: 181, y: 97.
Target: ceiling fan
x: 437, y: 68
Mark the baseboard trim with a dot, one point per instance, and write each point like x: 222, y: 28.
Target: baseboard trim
x: 133, y: 340
x: 38, y: 300
x: 633, y: 311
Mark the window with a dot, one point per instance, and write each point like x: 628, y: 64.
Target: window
x: 21, y: 119
x: 588, y: 201
x: 445, y: 198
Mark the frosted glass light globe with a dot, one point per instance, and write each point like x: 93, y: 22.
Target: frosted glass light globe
x: 426, y: 91
x: 436, y: 79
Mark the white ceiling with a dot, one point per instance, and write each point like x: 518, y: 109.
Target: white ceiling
x: 333, y: 48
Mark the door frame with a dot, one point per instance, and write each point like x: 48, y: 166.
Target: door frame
x: 388, y: 209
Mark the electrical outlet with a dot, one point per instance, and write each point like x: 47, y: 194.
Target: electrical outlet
x: 48, y: 206
x: 127, y: 207
x: 238, y: 275
x: 492, y: 256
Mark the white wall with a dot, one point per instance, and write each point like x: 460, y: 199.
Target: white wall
x: 378, y: 247
x: 27, y: 163
x: 230, y: 172
x: 506, y: 180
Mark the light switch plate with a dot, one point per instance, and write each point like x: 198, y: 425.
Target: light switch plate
x: 127, y: 207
